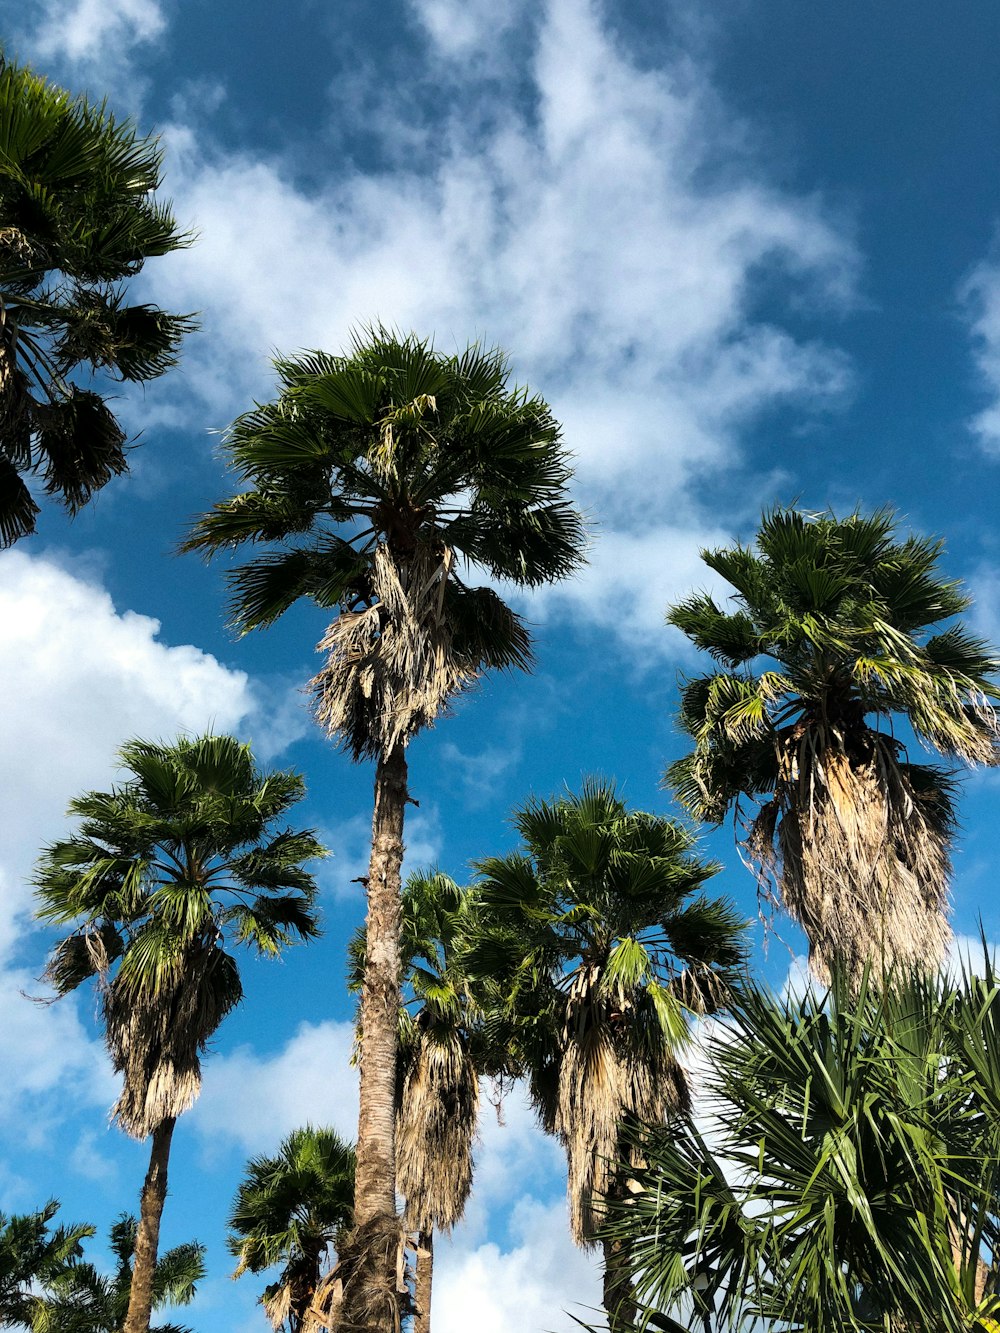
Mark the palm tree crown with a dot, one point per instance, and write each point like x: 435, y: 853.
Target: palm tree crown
x: 160, y: 875
x: 838, y: 613
x: 381, y: 473
x: 81, y: 1299
x: 292, y: 1209
x: 599, y: 935
x: 77, y: 218
x: 385, y: 476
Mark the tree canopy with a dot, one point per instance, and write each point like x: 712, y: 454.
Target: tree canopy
x: 78, y: 218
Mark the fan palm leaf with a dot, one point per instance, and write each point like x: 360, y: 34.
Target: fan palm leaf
x: 294, y: 1209
x: 31, y: 1255
x: 843, y: 1172
x: 595, y: 941
x: 81, y: 1299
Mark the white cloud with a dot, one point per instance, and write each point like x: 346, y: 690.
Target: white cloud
x: 94, y: 41
x: 984, y: 587
x: 52, y: 1066
x: 459, y: 29
x: 480, y: 773
x: 615, y: 237
x: 512, y: 1259
x: 256, y: 1100
x: 82, y: 677
x: 980, y: 297
x: 538, y: 1281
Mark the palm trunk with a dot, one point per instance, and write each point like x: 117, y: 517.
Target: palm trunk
x: 375, y: 1282
x: 147, y: 1240
x: 424, y: 1282
x: 619, y: 1304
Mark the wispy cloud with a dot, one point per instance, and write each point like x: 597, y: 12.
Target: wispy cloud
x: 92, y: 44
x: 613, y: 229
x: 980, y: 299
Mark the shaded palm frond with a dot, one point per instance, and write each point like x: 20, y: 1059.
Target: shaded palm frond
x: 78, y: 219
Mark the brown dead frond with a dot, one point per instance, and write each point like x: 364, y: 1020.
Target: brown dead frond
x: 860, y: 858
x: 435, y: 1132
x: 605, y: 1077
x: 154, y: 1039
x: 278, y: 1304
x: 390, y: 668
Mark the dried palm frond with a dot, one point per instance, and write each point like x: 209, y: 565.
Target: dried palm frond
x: 860, y: 856
x: 277, y: 1303
x: 605, y: 1076
x: 155, y: 1038
x: 435, y: 1131
x: 391, y: 668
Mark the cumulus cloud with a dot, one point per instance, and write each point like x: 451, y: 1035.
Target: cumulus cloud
x: 537, y: 1280
x: 256, y: 1100
x: 612, y: 230
x: 980, y: 297
x: 511, y: 1259
x: 82, y: 677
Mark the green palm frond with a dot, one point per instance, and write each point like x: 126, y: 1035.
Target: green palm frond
x: 592, y: 944
x: 292, y: 1209
x: 78, y: 219
x: 78, y: 1298
x: 851, y: 1180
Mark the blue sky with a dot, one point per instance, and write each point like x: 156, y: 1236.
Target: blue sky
x: 747, y: 260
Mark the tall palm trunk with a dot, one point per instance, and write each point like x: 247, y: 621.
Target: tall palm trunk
x: 375, y: 1220
x: 147, y: 1240
x: 424, y: 1282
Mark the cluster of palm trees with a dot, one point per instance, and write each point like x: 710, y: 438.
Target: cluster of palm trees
x: 381, y: 484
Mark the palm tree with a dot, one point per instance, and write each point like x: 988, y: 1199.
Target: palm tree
x: 77, y: 218
x: 293, y: 1209
x: 846, y: 1172
x: 80, y: 1299
x: 443, y: 1051
x: 604, y: 943
x: 856, y: 836
x: 384, y: 476
x: 31, y: 1254
x: 163, y: 873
